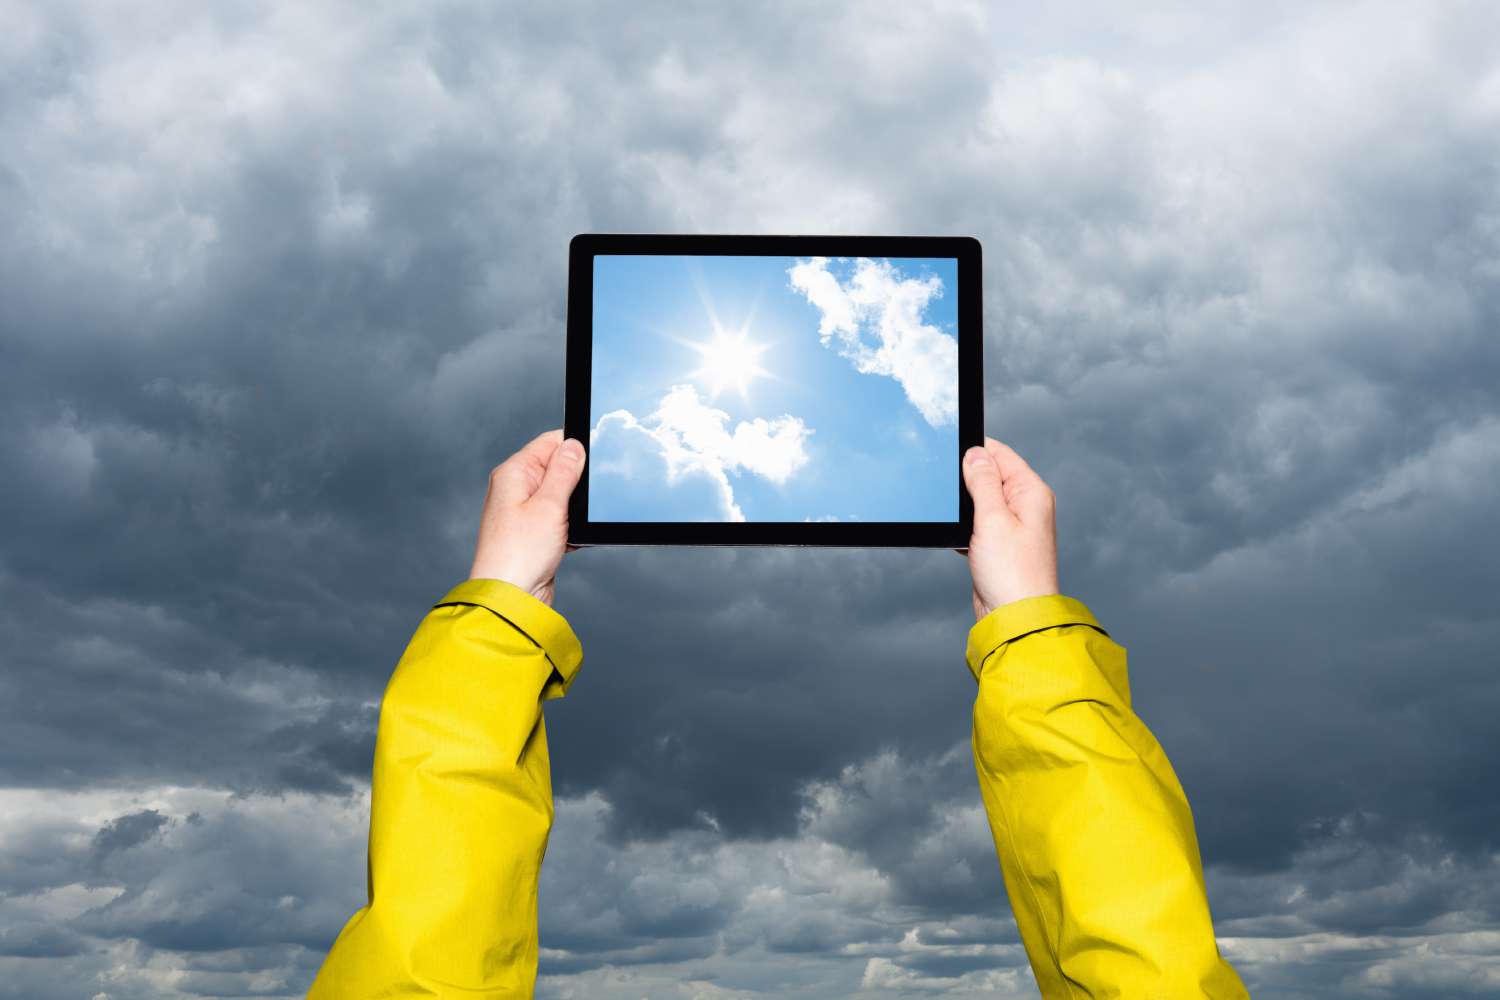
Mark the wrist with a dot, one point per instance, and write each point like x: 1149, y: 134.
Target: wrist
x: 983, y: 606
x: 526, y: 581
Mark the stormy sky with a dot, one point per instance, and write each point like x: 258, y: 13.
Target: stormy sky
x: 280, y: 283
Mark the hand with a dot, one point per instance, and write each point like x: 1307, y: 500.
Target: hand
x: 1013, y: 551
x: 523, y: 531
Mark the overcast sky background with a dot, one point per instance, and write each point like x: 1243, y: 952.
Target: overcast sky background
x: 279, y: 284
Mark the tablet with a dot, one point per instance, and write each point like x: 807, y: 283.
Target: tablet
x: 773, y: 390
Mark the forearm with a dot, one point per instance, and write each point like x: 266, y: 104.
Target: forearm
x: 461, y: 804
x: 1091, y: 826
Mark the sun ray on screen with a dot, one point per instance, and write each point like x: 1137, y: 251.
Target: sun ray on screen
x: 729, y: 360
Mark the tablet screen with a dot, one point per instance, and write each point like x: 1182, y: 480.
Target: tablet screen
x: 773, y: 388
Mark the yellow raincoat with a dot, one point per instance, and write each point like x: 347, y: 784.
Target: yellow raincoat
x: 1092, y: 829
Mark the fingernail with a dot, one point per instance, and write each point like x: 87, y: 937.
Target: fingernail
x: 975, y: 455
x: 572, y: 450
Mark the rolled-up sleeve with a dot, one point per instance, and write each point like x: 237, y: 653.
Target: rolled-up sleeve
x: 1091, y: 826
x: 461, y: 804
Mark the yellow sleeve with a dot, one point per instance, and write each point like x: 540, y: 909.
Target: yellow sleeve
x: 1093, y: 831
x: 461, y: 805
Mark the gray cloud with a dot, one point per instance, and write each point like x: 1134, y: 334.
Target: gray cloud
x: 39, y: 941
x: 275, y: 293
x: 240, y: 894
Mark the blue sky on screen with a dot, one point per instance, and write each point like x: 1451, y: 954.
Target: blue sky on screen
x: 774, y: 389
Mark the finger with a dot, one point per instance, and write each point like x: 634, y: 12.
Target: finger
x: 1012, y: 465
x: 1026, y: 493
x: 541, y: 447
x: 982, y: 477
x: 563, y: 473
x: 517, y: 478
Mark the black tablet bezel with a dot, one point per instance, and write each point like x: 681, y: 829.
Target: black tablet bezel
x: 909, y: 534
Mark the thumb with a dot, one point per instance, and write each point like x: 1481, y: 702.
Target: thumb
x: 563, y: 472
x: 982, y: 477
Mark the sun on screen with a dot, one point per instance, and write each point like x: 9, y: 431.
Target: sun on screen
x: 730, y: 360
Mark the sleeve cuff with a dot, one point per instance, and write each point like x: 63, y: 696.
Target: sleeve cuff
x: 1018, y: 618
x: 541, y: 623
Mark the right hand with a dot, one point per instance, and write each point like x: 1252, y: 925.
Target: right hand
x: 523, y: 529
x: 1013, y: 551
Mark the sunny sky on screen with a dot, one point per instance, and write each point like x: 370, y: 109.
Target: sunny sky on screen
x: 774, y: 389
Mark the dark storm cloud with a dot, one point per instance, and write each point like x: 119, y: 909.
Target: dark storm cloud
x: 137, y: 691
x: 242, y: 891
x: 125, y: 832
x: 718, y: 726
x: 276, y: 292
x: 39, y: 941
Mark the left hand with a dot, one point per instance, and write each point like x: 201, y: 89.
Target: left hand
x: 523, y: 531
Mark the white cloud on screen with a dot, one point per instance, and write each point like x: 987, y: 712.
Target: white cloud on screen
x: 880, y: 300
x: 694, y: 440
